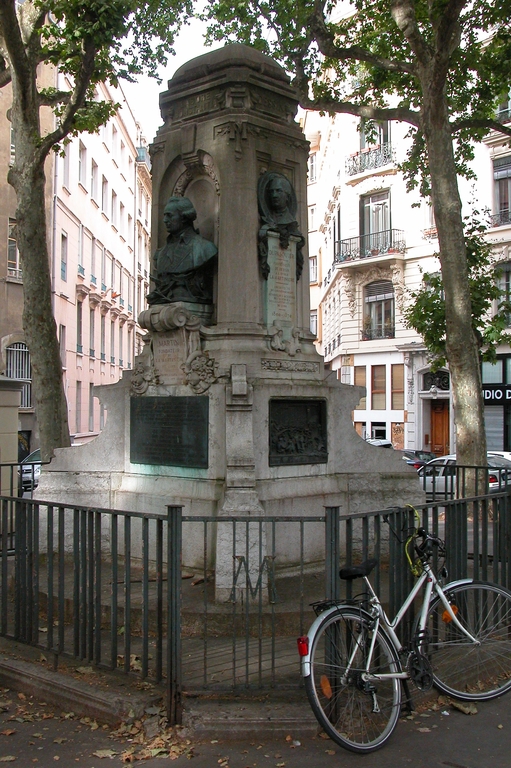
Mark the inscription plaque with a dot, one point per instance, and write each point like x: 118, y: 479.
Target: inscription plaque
x: 281, y: 283
x: 298, y: 432
x: 169, y: 354
x: 171, y: 431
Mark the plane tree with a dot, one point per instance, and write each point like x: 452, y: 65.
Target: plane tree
x: 442, y: 67
x: 92, y: 42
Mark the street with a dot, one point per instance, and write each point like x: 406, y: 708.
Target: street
x: 32, y: 733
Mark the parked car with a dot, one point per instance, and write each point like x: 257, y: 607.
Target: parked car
x: 441, y: 478
x: 415, y: 458
x: 30, y: 470
x: 380, y: 442
x: 502, y: 454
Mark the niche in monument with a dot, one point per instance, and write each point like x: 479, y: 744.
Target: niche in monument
x: 170, y: 431
x: 298, y: 432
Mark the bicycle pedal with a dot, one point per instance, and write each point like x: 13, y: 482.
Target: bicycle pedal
x: 420, y: 671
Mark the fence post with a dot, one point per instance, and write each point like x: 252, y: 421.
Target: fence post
x: 174, y: 555
x: 332, y: 554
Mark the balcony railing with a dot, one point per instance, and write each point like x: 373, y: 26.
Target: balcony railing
x: 378, y: 332
x: 376, y: 244
x: 369, y: 159
x: 500, y: 219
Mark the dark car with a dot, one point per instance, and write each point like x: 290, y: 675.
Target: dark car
x: 415, y: 458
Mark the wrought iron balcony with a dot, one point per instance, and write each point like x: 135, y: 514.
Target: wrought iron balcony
x: 376, y: 244
x: 378, y: 332
x: 501, y: 219
x: 369, y: 159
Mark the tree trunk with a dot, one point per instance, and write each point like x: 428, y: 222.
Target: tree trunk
x: 461, y: 345
x: 28, y: 179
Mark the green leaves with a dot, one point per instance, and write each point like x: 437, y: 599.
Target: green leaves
x: 491, y: 306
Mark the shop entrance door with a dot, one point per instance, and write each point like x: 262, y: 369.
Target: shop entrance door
x: 440, y: 427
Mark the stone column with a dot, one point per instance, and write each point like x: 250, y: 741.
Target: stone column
x: 240, y: 553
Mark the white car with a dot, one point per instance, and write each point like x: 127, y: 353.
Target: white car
x: 441, y: 478
x: 30, y: 470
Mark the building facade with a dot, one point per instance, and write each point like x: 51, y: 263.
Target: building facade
x: 370, y: 243
x: 98, y: 205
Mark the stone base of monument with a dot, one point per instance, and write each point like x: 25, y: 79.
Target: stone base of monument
x: 271, y: 436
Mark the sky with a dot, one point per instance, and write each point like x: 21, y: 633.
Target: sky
x: 143, y: 96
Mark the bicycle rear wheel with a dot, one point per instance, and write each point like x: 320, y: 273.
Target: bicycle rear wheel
x: 357, y: 714
x: 462, y: 668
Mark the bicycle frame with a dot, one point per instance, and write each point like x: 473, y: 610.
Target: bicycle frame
x: 377, y: 614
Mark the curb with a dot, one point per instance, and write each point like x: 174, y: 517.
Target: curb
x: 67, y: 693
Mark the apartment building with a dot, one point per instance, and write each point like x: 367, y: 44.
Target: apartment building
x: 99, y: 202
x: 370, y: 242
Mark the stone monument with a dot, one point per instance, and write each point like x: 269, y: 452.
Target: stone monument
x: 229, y: 409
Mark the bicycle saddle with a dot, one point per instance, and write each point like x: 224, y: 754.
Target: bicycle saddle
x: 350, y: 572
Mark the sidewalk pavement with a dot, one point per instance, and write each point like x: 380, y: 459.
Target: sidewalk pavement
x: 231, y: 732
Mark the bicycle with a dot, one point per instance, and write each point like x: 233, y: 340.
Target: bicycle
x: 355, y: 667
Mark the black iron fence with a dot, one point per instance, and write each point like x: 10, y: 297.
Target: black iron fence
x: 209, y: 603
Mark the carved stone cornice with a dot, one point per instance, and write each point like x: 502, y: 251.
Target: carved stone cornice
x: 167, y: 317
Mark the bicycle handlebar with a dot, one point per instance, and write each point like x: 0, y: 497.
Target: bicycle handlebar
x: 425, y: 549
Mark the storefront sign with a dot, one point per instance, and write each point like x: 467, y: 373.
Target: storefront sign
x: 496, y: 393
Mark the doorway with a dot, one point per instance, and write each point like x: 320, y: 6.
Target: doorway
x: 440, y: 427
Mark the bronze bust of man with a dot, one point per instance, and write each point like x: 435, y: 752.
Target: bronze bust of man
x: 185, y: 264
x: 277, y: 210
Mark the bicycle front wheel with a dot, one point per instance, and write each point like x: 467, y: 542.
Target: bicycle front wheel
x: 462, y: 668
x: 356, y: 708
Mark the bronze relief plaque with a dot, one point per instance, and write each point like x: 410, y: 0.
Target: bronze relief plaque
x: 298, y: 432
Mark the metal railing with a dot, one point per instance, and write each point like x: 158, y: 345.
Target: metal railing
x: 369, y: 159
x: 140, y: 594
x: 500, y: 219
x: 382, y: 243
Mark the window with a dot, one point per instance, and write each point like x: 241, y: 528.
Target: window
x: 91, y: 407
x: 374, y: 219
x: 12, y: 158
x: 130, y: 343
x: 378, y: 320
x: 63, y: 256
x: 78, y: 412
x: 104, y: 195
x: 94, y: 176
x: 92, y: 330
x: 504, y: 110
x: 313, y: 322
x: 313, y: 269
x: 121, y: 346
x: 505, y: 285
x: 312, y: 217
x: 492, y: 372
x: 62, y: 345
x: 103, y: 338
x: 112, y: 342
x: 121, y: 220
x: 13, y: 255
x: 79, y: 327
x: 378, y: 398
x: 18, y: 366
x: 82, y: 164
x: 312, y: 167
x: 65, y: 166
x: 397, y: 375
x: 123, y: 157
x: 114, y: 209
x: 360, y: 381
x: 502, y: 182
x: 374, y: 133
x: 114, y: 142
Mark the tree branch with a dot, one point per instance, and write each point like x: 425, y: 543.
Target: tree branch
x: 491, y: 125
x: 325, y: 39
x: 76, y: 99
x: 403, y: 13
x: 14, y: 45
x: 57, y: 97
